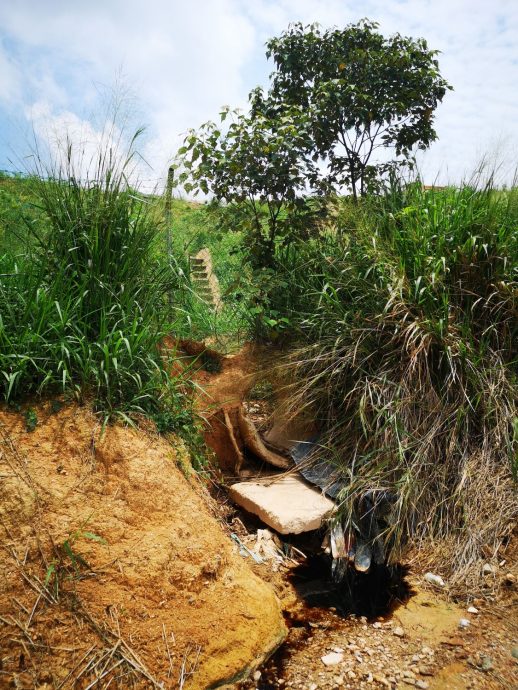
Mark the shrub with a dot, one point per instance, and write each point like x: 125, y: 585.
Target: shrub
x: 409, y: 361
x: 82, y: 307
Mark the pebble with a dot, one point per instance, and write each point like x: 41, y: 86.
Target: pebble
x: 422, y: 684
x: 376, y: 625
x: 425, y: 671
x: 514, y: 652
x: 257, y: 676
x: 399, y: 632
x: 435, y: 580
x: 472, y: 609
x: 488, y: 569
x: 332, y: 659
x: 464, y: 623
x: 510, y: 579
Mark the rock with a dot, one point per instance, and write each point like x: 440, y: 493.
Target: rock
x: 472, y: 609
x: 376, y: 625
x: 425, y: 671
x: 464, y: 623
x: 338, y: 650
x: 509, y: 579
x: 399, y: 632
x: 422, y: 684
x: 514, y: 652
x: 435, y: 580
x: 488, y: 569
x: 332, y: 659
x: 289, y: 505
x: 486, y: 663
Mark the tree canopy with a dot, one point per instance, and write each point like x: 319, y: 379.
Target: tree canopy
x: 360, y: 92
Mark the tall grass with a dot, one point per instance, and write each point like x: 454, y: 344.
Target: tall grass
x: 408, y: 359
x: 82, y: 305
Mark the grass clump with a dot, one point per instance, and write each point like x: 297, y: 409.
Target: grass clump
x: 408, y: 359
x: 82, y: 298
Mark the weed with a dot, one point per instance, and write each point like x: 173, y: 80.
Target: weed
x: 31, y: 419
x: 407, y: 360
x: 68, y: 562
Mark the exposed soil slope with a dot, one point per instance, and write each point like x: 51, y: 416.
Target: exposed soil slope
x: 166, y: 591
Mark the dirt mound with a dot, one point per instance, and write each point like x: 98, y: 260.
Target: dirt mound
x: 166, y: 594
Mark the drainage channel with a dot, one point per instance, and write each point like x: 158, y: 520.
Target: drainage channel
x: 327, y: 605
x: 374, y: 595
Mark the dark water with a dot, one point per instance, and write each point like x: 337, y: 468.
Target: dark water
x: 371, y: 594
x: 374, y: 595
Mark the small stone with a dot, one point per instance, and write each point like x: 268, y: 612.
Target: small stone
x: 435, y: 580
x: 425, y: 671
x: 369, y: 678
x: 338, y: 650
x: 464, y: 623
x: 510, y: 579
x: 313, y: 686
x: 257, y: 676
x: 428, y: 651
x: 351, y: 674
x: 416, y: 658
x: 514, y: 652
x: 422, y: 684
x: 472, y: 609
x: 399, y: 632
x: 376, y: 625
x: 488, y: 569
x: 332, y: 659
x: 486, y: 663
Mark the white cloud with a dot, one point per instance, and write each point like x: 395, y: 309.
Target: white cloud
x: 183, y: 61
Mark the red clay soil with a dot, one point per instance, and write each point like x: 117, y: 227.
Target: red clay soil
x: 165, y: 594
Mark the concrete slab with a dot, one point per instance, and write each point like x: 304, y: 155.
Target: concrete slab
x: 289, y: 504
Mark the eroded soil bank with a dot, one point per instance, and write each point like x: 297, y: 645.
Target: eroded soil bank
x: 167, y: 598
x: 162, y: 595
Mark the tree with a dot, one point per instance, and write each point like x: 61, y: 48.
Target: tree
x: 360, y: 91
x: 258, y: 162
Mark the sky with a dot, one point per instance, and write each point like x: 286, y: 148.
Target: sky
x: 171, y: 65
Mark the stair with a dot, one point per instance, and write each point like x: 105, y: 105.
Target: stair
x: 204, y: 280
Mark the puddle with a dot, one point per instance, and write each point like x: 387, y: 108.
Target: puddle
x: 374, y: 594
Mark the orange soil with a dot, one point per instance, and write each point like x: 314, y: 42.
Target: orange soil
x: 167, y: 585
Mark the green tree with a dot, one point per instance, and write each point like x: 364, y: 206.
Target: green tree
x: 360, y: 91
x: 261, y: 164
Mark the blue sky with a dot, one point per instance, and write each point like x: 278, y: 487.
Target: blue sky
x: 179, y: 62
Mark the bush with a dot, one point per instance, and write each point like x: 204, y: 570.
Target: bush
x: 409, y: 361
x: 82, y: 306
